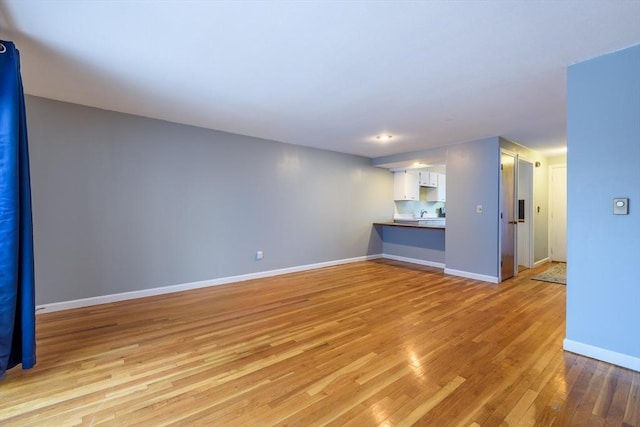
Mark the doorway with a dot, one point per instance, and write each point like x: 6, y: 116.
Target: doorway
x: 507, y: 216
x: 558, y: 213
x: 516, y: 215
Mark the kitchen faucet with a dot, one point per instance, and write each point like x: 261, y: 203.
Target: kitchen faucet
x: 422, y: 212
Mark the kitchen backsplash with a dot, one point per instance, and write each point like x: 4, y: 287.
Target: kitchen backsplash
x: 416, y: 206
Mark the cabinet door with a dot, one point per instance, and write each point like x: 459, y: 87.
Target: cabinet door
x: 442, y: 188
x: 424, y: 178
x: 428, y: 179
x: 412, y: 186
x: 406, y: 186
x: 438, y: 194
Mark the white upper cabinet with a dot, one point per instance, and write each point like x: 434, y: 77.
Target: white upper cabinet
x: 406, y: 185
x: 428, y: 179
x: 439, y: 193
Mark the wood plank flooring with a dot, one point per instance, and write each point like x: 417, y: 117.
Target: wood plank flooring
x: 363, y: 344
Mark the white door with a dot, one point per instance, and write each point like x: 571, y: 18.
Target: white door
x: 558, y: 213
x: 525, y: 214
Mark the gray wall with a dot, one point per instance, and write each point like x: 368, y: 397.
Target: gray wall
x: 124, y: 203
x: 473, y: 173
x: 603, y: 162
x: 426, y: 244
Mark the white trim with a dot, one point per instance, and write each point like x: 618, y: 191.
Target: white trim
x: 505, y: 151
x: 530, y: 211
x: 542, y: 261
x: 104, y: 299
x: 609, y: 356
x: 468, y: 275
x: 414, y: 260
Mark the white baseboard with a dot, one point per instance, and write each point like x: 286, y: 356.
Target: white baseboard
x: 414, y: 260
x: 542, y: 261
x: 609, y: 356
x: 459, y: 273
x: 469, y: 275
x: 104, y: 299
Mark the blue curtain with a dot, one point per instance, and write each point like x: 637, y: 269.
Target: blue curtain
x: 17, y: 299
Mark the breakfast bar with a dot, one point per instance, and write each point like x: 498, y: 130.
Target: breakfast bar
x: 413, y: 242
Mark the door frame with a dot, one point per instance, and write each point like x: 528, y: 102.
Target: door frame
x: 514, y: 207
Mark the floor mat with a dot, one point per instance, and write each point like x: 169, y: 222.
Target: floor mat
x: 555, y: 274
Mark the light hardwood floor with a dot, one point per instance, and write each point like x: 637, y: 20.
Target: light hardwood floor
x: 362, y: 344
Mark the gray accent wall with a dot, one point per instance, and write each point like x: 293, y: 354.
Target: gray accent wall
x: 473, y: 174
x: 603, y: 162
x: 424, y: 244
x: 124, y: 203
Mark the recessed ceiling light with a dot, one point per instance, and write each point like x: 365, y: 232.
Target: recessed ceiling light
x: 384, y: 137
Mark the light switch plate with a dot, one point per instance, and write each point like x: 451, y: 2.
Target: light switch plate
x: 620, y: 206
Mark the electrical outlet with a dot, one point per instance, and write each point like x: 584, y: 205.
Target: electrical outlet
x: 259, y: 255
x: 479, y: 209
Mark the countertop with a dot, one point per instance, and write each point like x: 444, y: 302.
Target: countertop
x: 397, y: 224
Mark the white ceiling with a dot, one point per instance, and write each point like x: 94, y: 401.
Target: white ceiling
x: 327, y: 74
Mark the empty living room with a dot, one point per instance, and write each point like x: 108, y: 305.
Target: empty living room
x: 309, y: 213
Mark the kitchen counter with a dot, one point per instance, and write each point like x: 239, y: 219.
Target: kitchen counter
x: 413, y: 242
x: 406, y: 224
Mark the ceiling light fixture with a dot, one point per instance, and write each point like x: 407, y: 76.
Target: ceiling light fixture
x: 384, y: 138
